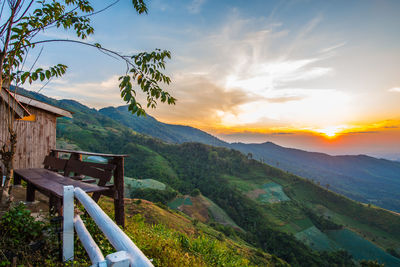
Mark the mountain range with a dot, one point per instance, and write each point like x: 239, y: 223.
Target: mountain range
x: 360, y: 177
x: 296, y: 219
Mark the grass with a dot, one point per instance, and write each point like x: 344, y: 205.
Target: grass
x: 240, y: 184
x: 171, y: 239
x: 218, y: 214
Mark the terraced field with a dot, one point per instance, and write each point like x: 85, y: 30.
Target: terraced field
x: 203, y: 209
x: 361, y: 248
x: 316, y: 239
x: 273, y: 193
x: 179, y: 201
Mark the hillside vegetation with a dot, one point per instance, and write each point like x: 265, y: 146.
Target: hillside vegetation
x: 166, y: 237
x: 362, y: 178
x: 269, y: 205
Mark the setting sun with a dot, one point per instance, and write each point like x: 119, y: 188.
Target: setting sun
x: 331, y: 132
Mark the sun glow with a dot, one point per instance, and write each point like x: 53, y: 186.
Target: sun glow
x: 331, y: 132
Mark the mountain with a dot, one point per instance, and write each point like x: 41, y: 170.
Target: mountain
x: 362, y: 178
x: 283, y: 214
x: 166, y: 132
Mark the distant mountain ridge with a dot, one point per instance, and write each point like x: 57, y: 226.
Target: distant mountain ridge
x: 362, y: 178
x: 167, y: 132
x: 281, y: 213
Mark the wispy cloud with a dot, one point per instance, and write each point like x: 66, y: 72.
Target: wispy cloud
x: 247, y: 57
x: 333, y: 47
x: 94, y: 94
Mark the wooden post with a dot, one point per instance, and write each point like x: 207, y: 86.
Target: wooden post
x: 119, y: 188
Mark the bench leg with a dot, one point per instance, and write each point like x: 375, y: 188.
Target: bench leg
x: 30, y: 193
x: 55, y: 205
x: 96, y: 196
x: 17, y: 179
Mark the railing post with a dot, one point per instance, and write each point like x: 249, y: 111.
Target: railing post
x: 68, y: 223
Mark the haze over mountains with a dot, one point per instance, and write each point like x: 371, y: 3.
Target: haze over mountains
x: 283, y: 214
x: 360, y: 177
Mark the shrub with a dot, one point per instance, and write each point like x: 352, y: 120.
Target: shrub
x: 25, y: 239
x: 195, y: 192
x: 18, y: 227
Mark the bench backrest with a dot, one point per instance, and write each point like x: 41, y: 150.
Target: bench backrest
x: 101, y: 171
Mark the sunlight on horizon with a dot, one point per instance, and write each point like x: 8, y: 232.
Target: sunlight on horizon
x: 331, y: 132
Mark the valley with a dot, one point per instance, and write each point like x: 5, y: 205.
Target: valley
x: 294, y: 218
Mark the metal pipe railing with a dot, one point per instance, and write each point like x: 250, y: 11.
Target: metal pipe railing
x: 87, y: 241
x: 128, y: 252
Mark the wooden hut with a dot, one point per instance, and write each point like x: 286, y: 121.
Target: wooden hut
x: 35, y: 125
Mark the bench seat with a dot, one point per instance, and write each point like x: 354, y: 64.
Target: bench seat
x: 49, y: 182
x: 100, y: 179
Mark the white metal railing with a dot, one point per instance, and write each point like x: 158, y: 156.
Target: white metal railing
x: 128, y: 254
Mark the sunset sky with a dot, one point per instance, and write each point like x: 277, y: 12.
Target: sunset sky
x: 316, y: 75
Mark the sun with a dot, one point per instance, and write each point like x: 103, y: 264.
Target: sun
x: 330, y: 132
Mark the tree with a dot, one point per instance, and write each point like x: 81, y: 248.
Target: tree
x: 195, y: 192
x: 21, y: 21
x: 371, y: 263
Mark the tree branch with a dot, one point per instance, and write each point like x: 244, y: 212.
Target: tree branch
x: 86, y: 44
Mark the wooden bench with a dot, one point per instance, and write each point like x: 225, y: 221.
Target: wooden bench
x: 91, y: 177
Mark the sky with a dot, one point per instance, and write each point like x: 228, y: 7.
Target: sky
x: 315, y: 75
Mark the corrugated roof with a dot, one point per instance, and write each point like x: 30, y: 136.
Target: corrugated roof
x: 19, y: 110
x: 59, y: 112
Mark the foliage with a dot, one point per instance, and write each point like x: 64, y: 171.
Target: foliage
x: 321, y: 222
x: 168, y: 247
x: 195, y: 192
x: 29, y: 240
x: 371, y: 263
x: 393, y: 252
x: 210, y: 169
x: 19, y: 227
x: 19, y: 32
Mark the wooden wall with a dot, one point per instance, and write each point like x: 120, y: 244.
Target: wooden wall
x: 3, y: 125
x: 35, y: 139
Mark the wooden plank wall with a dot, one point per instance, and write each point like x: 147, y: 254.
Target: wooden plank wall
x: 3, y: 124
x: 35, y: 139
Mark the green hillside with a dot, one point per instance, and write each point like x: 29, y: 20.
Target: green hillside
x: 166, y: 132
x: 271, y: 206
x: 361, y: 178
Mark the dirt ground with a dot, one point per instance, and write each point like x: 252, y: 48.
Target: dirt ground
x: 39, y: 206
